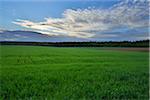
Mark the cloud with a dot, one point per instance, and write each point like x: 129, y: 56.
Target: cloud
x: 10, y: 39
x: 87, y: 23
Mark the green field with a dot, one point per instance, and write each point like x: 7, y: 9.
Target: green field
x: 51, y: 73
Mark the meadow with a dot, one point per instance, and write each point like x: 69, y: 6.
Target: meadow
x: 57, y: 73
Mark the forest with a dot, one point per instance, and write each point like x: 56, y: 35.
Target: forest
x: 140, y: 43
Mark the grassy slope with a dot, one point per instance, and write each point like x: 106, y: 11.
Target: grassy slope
x: 64, y: 73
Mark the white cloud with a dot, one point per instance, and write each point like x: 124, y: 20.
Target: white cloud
x: 87, y: 23
x: 10, y: 39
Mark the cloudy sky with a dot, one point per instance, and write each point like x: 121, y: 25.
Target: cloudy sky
x: 88, y: 20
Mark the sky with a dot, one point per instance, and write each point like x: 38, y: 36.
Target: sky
x: 91, y: 20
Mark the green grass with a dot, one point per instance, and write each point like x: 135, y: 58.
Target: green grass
x: 49, y: 73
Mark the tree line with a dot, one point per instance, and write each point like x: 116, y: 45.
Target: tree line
x: 140, y: 43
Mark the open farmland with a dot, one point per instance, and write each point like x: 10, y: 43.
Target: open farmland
x: 46, y: 73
